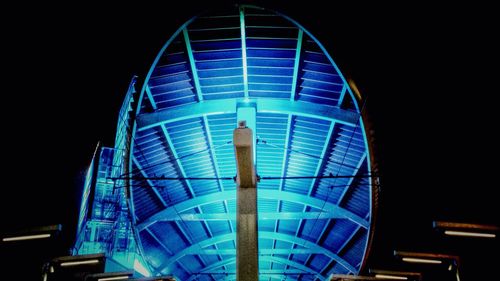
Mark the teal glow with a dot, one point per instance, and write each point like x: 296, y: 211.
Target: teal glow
x: 241, y: 66
x: 273, y: 259
x: 150, y: 97
x: 176, y: 156
x: 153, y: 186
x: 212, y: 151
x: 84, y: 205
x: 325, y: 51
x: 342, y: 94
x: 262, y: 235
x: 296, y: 65
x: 192, y: 63
x: 263, y: 105
x: 262, y: 216
x: 323, y: 154
x: 173, y: 211
x: 285, y: 155
x: 244, y: 50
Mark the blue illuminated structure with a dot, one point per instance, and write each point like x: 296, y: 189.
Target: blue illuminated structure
x: 221, y: 67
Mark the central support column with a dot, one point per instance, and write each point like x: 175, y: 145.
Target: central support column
x: 247, y: 264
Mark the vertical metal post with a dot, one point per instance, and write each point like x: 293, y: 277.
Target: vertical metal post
x: 247, y: 264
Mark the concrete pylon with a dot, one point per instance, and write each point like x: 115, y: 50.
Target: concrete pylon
x: 247, y: 263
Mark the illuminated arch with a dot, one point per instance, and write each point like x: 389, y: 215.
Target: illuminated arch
x: 308, y: 122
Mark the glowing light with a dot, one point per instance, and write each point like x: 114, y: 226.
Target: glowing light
x: 244, y: 51
x: 113, y: 278
x: 139, y: 267
x: 72, y: 263
x: 354, y: 88
x: 417, y: 260
x: 384, y: 276
x: 469, y: 234
x: 25, y: 237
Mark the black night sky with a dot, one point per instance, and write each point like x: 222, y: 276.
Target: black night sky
x: 430, y: 74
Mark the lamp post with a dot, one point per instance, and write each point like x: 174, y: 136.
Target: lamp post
x: 433, y: 259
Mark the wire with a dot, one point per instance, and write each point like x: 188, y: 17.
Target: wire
x: 335, y: 178
x: 163, y: 178
x: 319, y: 177
x: 130, y: 175
x: 175, y: 159
x: 178, y: 158
x: 330, y: 186
x: 187, y: 232
x: 288, y: 149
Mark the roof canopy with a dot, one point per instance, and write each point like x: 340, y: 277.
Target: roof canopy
x: 249, y: 63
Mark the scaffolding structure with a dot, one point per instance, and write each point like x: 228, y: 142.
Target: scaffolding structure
x: 105, y: 224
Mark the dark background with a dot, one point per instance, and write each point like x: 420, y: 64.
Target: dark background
x: 430, y: 74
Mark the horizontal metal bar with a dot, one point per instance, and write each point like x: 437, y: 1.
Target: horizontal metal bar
x: 215, y: 107
x: 261, y: 251
x: 139, y: 178
x: 262, y: 216
x: 262, y: 271
x: 174, y: 210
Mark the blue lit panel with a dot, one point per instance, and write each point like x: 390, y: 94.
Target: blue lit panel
x: 105, y: 225
x: 252, y: 64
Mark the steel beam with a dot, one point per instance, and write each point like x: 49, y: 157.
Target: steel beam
x: 215, y: 107
x: 244, y: 50
x: 247, y: 257
x: 290, y: 263
x: 262, y: 216
x: 150, y: 182
x: 327, y: 207
x: 296, y: 65
x: 192, y: 63
x: 197, y: 249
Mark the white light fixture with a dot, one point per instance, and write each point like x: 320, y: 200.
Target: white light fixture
x: 122, y: 277
x: 394, y: 277
x: 419, y: 260
x: 34, y: 233
x: 469, y: 234
x: 73, y: 263
x: 26, y: 237
x: 466, y: 229
x: 449, y: 261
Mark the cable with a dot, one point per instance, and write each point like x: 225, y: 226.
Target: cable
x: 174, y: 159
x: 331, y: 186
x: 341, y: 165
x: 288, y: 149
x: 319, y: 177
x: 186, y: 228
x: 162, y: 178
x: 185, y: 156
